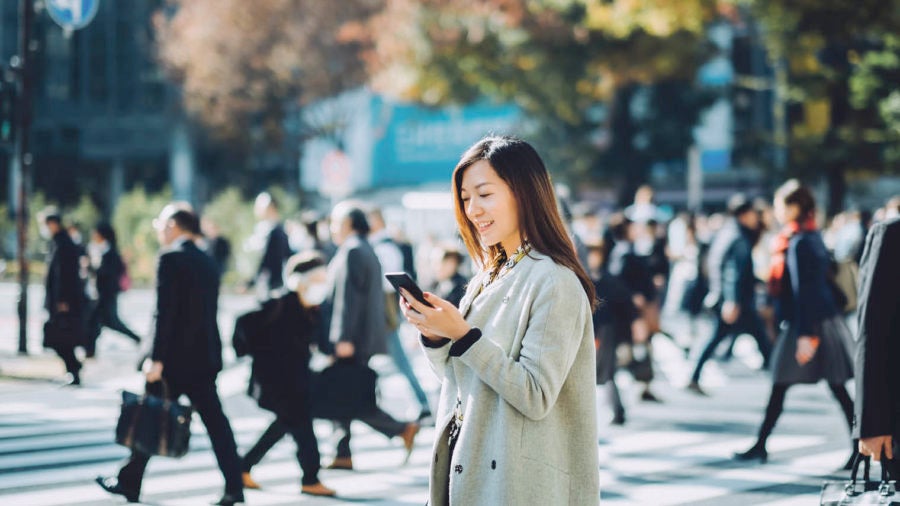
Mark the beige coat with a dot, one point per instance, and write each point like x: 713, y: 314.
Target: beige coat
x: 529, y: 430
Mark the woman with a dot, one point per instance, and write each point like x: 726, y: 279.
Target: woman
x: 813, y: 342
x: 108, y: 269
x: 516, y: 418
x: 278, y: 337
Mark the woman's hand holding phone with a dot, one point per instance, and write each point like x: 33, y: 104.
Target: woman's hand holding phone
x: 437, y: 322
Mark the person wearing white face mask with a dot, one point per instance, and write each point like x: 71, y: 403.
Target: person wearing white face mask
x: 278, y: 337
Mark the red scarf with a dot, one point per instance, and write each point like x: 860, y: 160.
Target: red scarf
x: 779, y: 252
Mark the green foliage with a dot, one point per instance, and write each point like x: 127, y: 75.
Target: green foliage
x: 233, y: 215
x: 133, y: 222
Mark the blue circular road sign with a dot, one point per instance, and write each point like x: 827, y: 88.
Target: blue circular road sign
x: 72, y: 14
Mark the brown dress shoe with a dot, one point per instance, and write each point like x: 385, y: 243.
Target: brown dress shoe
x: 409, y: 439
x: 249, y: 482
x: 317, y: 489
x: 341, y: 463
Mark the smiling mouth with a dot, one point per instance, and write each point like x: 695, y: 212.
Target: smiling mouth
x: 483, y: 226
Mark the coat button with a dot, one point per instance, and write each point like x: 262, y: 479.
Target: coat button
x: 458, y: 469
x: 493, y: 464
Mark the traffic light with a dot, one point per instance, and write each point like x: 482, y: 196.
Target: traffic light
x: 7, y: 113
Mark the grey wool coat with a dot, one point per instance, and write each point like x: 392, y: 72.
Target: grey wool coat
x: 526, y: 387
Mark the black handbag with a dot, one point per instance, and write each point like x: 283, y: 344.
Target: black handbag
x: 154, y: 425
x: 343, y: 391
x: 847, y: 493
x: 62, y: 330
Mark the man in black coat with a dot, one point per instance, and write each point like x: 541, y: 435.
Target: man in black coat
x: 736, y: 309
x: 358, y: 324
x: 65, y: 297
x: 187, y: 349
x: 878, y: 342
x: 277, y: 248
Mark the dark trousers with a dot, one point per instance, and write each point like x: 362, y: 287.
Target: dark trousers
x: 378, y: 420
x: 776, y: 406
x: 205, y: 401
x: 304, y: 437
x: 748, y: 322
x: 105, y: 314
x: 67, y: 354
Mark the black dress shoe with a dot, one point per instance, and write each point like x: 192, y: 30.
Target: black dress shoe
x: 229, y: 500
x: 758, y: 452
x: 112, y: 486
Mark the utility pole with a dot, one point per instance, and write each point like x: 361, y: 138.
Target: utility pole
x: 22, y: 65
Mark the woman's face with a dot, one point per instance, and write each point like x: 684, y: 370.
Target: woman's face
x: 96, y: 238
x: 490, y: 206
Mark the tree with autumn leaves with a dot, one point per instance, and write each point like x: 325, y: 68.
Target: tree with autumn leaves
x: 574, y: 66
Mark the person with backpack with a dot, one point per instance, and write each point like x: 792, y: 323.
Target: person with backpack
x: 110, y: 279
x: 278, y: 337
x: 735, y: 306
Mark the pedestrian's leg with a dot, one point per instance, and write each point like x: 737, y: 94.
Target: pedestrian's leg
x: 384, y: 423
x: 115, y: 323
x: 206, y: 402
x: 73, y: 366
x: 616, y: 401
x: 343, y: 447
x: 719, y: 333
x: 131, y: 475
x: 307, y: 450
x: 395, y: 347
x: 773, y: 412
x: 267, y: 440
x: 92, y: 332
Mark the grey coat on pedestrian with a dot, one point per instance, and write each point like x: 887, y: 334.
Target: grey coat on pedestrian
x: 358, y: 300
x: 526, y: 389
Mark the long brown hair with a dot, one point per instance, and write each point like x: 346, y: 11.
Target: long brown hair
x: 520, y: 166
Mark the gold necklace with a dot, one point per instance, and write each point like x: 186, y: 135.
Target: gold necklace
x: 506, y: 266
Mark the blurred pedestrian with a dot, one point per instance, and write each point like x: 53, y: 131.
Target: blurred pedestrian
x: 517, y: 420
x: 215, y: 244
x: 273, y: 241
x: 632, y: 270
x: 612, y: 319
x: 108, y: 271
x: 186, y: 350
x: 736, y: 308
x: 357, y: 328
x: 64, y: 297
x: 813, y: 344
x: 449, y: 284
x: 877, y: 343
x: 391, y: 258
x: 278, y: 336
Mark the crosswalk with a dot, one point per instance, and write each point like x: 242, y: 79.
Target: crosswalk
x: 54, y: 441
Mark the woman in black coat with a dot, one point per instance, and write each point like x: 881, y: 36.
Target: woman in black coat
x: 108, y: 270
x: 278, y: 337
x: 814, y: 341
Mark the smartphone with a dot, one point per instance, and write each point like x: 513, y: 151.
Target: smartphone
x: 402, y: 280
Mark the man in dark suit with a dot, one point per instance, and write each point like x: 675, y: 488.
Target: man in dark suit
x: 358, y: 327
x: 65, y: 298
x: 736, y: 307
x: 878, y: 342
x: 277, y: 249
x: 187, y: 349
